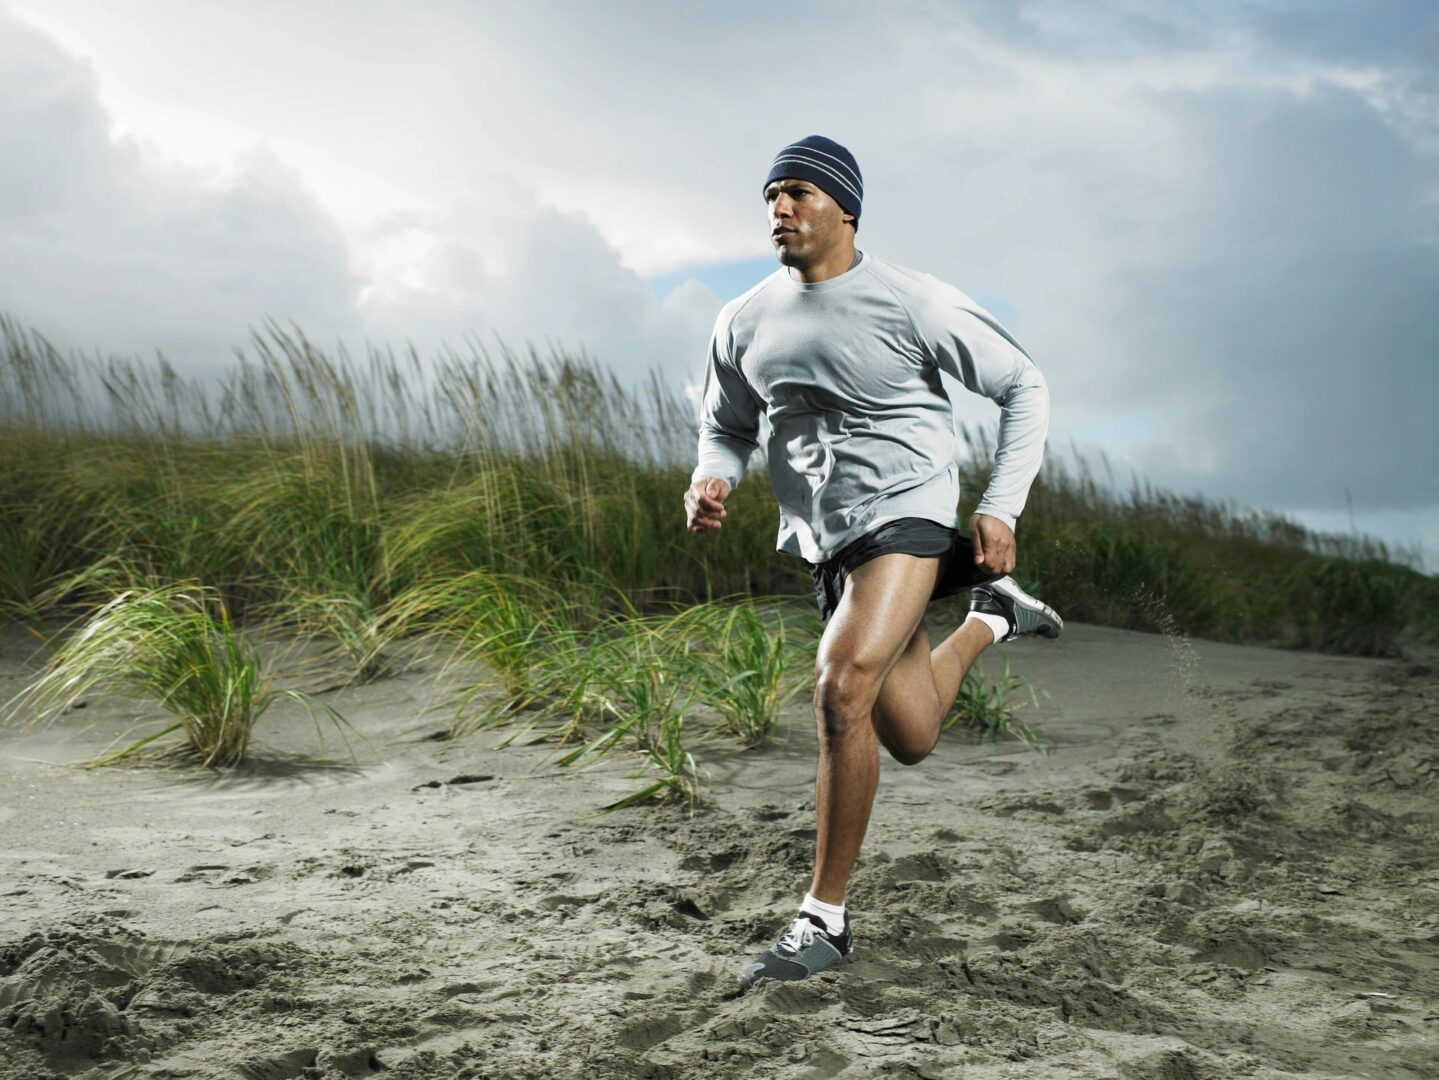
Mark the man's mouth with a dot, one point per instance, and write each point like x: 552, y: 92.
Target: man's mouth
x: 779, y: 232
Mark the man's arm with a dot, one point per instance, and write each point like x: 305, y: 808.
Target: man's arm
x: 968, y: 343
x: 728, y: 416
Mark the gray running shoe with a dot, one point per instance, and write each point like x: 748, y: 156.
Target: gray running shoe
x: 805, y: 949
x: 1025, y: 614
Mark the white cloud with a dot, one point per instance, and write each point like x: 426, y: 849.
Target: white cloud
x: 102, y: 247
x: 535, y: 273
x: 109, y: 245
x: 1215, y: 225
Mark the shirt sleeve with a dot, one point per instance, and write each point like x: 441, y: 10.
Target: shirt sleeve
x: 729, y: 414
x: 969, y: 343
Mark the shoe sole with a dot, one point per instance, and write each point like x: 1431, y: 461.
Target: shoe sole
x: 754, y: 979
x: 1009, y: 588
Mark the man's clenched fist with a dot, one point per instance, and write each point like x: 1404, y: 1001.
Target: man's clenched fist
x: 994, y: 547
x: 704, y: 504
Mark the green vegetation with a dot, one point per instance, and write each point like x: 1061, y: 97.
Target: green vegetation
x: 525, y: 514
x: 641, y: 678
x: 988, y: 710
x: 172, y: 644
x: 1149, y: 560
x: 743, y: 649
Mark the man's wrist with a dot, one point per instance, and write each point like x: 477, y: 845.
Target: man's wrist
x: 999, y: 515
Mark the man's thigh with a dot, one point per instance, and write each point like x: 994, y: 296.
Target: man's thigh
x: 883, y: 604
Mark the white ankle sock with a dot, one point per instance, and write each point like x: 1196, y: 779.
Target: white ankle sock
x: 833, y: 916
x: 998, y: 625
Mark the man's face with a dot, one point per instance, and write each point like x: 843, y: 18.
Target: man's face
x: 805, y: 223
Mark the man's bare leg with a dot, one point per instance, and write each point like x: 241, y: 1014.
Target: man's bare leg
x: 881, y: 609
x: 922, y: 687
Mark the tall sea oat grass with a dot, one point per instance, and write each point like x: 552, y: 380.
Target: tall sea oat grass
x: 315, y: 543
x: 356, y: 630
x: 333, y: 483
x: 525, y: 509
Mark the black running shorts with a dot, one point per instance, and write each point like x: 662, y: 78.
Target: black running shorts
x: 910, y: 536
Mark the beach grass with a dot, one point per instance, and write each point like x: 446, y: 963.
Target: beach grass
x: 514, y: 626
x: 524, y: 512
x: 990, y: 710
x: 746, y: 650
x: 640, y: 677
x: 175, y: 646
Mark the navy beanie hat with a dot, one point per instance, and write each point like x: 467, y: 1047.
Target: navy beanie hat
x: 827, y: 165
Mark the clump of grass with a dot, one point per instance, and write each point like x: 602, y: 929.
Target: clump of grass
x: 306, y: 531
x: 640, y: 674
x: 624, y: 682
x: 357, y: 630
x: 678, y: 774
x: 989, y: 710
x: 308, y: 521
x: 175, y: 645
x: 38, y: 533
x: 450, y: 532
x: 664, y: 747
x: 741, y: 662
x: 517, y: 627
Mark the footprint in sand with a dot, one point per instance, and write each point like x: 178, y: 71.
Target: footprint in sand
x: 796, y: 999
x: 715, y: 861
x: 287, y: 1065
x: 770, y: 813
x: 1010, y: 807
x: 1104, y: 798
x: 923, y: 866
x: 646, y: 1032
x: 824, y: 1062
x: 94, y: 990
x: 563, y: 902
x: 1055, y: 909
x: 1144, y: 820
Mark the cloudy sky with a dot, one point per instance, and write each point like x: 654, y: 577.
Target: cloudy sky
x: 1214, y: 225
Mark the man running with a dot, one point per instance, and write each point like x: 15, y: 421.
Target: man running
x: 842, y: 352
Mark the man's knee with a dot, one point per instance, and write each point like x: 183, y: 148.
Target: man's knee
x: 844, y: 695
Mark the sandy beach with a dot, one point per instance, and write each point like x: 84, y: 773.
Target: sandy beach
x: 1225, y: 866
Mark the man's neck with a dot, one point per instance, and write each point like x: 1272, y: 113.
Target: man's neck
x: 835, y: 272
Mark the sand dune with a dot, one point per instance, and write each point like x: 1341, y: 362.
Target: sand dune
x: 1226, y: 866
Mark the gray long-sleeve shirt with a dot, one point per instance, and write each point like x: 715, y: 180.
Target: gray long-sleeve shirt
x: 862, y: 430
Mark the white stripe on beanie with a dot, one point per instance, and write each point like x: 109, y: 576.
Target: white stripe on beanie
x: 849, y: 179
x: 812, y: 163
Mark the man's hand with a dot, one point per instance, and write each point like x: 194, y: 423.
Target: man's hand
x: 704, y: 504
x: 993, y: 544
